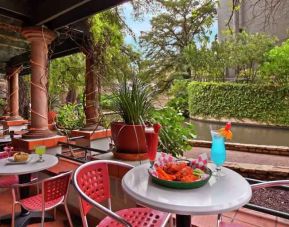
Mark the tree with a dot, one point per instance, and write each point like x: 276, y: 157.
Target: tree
x: 181, y: 23
x: 276, y: 66
x: 66, y: 76
x: 243, y: 52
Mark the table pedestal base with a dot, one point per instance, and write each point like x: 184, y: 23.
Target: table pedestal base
x: 183, y: 220
x: 22, y: 220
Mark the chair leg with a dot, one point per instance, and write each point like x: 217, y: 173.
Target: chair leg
x: 42, y: 218
x: 54, y: 213
x: 68, y: 215
x: 13, y: 215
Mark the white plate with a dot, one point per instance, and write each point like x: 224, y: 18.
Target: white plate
x: 11, y: 160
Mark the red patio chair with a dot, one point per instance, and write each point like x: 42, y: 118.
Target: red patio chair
x: 92, y: 182
x: 53, y: 193
x: 254, y: 187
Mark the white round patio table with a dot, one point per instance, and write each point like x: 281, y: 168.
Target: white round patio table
x: 32, y: 166
x: 220, y: 194
x: 24, y: 171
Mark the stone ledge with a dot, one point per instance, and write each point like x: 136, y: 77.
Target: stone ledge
x: 30, y: 144
x: 14, y: 123
x: 99, y: 134
x: 253, y: 148
x: 261, y: 172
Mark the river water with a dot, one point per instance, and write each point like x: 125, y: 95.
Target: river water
x: 246, y: 134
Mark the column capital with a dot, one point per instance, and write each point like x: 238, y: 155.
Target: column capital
x: 38, y: 34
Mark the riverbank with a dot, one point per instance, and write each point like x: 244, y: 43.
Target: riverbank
x: 243, y: 122
x: 244, y: 133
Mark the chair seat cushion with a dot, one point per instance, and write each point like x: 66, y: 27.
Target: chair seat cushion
x: 8, y: 181
x: 137, y: 217
x: 34, y: 203
x: 224, y: 224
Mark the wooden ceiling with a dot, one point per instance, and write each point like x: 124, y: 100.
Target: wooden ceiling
x: 63, y: 16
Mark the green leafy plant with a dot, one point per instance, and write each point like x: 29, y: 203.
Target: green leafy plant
x: 132, y: 101
x: 175, y: 132
x: 179, y: 100
x: 276, y: 67
x: 263, y: 103
x: 70, y: 116
x: 106, y: 101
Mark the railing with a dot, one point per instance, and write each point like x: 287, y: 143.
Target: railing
x: 265, y: 209
x: 72, y: 148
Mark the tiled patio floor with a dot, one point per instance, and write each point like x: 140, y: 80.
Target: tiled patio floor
x: 246, y: 217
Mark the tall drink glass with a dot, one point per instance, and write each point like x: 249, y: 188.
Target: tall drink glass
x: 152, y: 140
x: 40, y: 150
x: 218, y: 150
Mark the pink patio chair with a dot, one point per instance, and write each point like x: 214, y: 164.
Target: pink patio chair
x: 54, y: 192
x: 92, y: 182
x: 254, y: 187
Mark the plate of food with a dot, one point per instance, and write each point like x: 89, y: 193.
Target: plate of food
x: 19, y: 158
x: 180, y: 174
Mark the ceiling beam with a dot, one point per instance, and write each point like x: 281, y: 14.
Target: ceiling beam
x: 88, y: 9
x: 15, y: 9
x: 47, y: 11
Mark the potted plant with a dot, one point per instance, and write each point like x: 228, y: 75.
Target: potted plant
x: 53, y: 103
x: 133, y: 103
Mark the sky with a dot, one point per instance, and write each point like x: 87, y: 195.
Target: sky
x: 144, y: 25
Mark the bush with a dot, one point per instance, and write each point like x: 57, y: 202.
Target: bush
x: 276, y: 67
x: 175, y: 133
x: 264, y: 103
x: 71, y: 116
x: 106, y: 101
x: 180, y: 97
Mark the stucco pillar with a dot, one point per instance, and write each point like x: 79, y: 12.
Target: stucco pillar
x: 13, y: 84
x: 39, y: 39
x: 91, y: 95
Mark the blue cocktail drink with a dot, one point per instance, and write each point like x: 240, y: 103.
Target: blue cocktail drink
x: 218, y: 150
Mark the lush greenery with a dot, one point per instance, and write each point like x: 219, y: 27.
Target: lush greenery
x: 265, y: 103
x: 70, y: 116
x: 179, y: 100
x: 175, y: 133
x: 176, y: 26
x: 243, y: 53
x: 276, y: 67
x: 66, y: 77
x: 132, y: 100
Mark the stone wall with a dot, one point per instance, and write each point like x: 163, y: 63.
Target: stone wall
x: 261, y: 172
x: 275, y: 150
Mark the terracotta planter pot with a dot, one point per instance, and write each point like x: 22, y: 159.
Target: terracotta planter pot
x: 129, y: 138
x: 51, y: 117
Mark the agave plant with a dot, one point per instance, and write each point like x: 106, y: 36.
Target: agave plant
x: 133, y: 101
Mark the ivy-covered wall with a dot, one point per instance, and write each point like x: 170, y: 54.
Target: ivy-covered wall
x: 264, y: 103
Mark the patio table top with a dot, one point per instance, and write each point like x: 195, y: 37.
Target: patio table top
x: 31, y: 166
x: 220, y: 194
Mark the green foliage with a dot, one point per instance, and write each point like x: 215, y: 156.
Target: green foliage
x: 3, y: 104
x: 66, y: 74
x: 276, y: 67
x: 179, y: 23
x: 179, y: 100
x: 263, y: 103
x: 70, y: 116
x: 175, y: 133
x: 132, y: 100
x: 106, y: 101
x: 244, y: 52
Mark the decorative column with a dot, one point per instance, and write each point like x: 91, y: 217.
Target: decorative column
x: 91, y: 97
x: 13, y: 84
x: 39, y: 38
